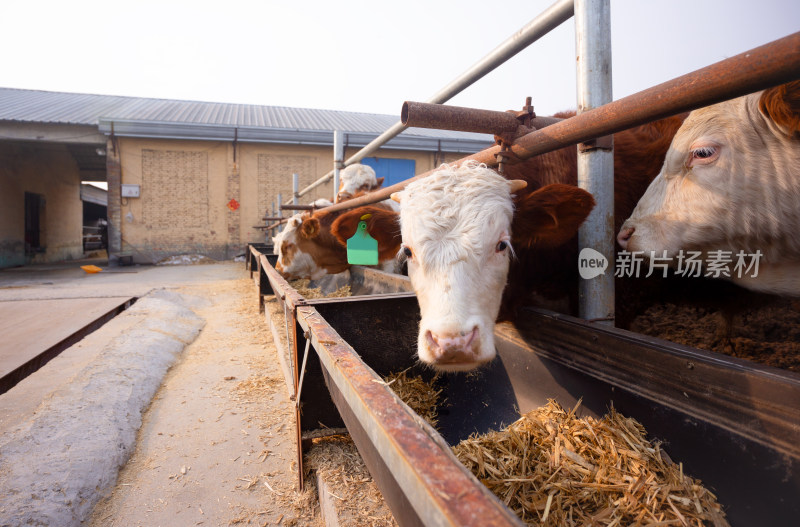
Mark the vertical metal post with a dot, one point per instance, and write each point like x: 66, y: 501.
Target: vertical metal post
x: 280, y: 210
x: 338, y: 161
x: 295, y: 189
x: 596, y: 159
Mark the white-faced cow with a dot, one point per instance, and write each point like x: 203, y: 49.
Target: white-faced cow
x: 457, y: 231
x: 357, y: 179
x: 730, y: 184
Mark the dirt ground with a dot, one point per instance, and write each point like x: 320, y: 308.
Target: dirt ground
x: 216, y: 446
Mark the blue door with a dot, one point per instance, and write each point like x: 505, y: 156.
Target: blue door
x: 392, y: 170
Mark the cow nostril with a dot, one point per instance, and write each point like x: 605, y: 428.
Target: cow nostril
x: 451, y: 346
x: 624, y: 236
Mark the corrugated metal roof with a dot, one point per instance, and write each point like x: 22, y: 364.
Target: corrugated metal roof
x: 76, y: 108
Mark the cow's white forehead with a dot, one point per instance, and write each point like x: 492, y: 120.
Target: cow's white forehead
x: 356, y: 175
x: 455, y: 213
x: 289, y: 232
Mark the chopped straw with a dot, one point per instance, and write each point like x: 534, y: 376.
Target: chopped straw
x: 553, y: 468
x: 420, y: 395
x: 301, y: 286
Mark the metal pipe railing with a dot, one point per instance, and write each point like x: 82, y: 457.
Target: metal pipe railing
x: 766, y: 66
x: 439, y: 116
x: 549, y: 19
x: 425, y: 115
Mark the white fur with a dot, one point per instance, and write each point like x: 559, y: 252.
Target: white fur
x: 748, y: 199
x: 453, y: 220
x: 321, y: 203
x: 354, y: 177
x: 302, y: 265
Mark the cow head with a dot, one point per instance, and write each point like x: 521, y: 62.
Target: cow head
x: 730, y: 181
x: 357, y: 179
x: 456, y: 232
x: 306, y: 248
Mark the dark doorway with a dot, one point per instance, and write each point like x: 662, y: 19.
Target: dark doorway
x: 34, y: 220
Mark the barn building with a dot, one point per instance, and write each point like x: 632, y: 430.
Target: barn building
x: 184, y: 177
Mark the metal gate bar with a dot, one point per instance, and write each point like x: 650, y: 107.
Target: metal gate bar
x: 763, y: 67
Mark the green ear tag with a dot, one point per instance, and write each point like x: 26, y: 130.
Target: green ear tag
x: 362, y: 249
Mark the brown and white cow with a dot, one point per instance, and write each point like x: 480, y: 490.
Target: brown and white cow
x: 357, y: 179
x: 458, y: 237
x: 730, y: 182
x: 307, y: 249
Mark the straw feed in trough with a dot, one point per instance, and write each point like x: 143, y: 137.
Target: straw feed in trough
x: 553, y: 468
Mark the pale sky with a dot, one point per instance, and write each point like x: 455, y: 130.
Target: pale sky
x: 360, y: 56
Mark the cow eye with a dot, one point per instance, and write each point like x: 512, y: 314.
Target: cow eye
x: 501, y: 246
x: 407, y: 251
x: 703, y: 155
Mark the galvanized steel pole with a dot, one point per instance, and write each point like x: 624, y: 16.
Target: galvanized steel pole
x: 280, y: 210
x: 595, y: 160
x: 338, y: 161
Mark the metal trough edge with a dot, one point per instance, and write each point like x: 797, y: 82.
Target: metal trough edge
x: 423, y: 471
x: 745, y: 398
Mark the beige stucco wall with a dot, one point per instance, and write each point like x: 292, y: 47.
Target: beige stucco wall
x: 49, y: 170
x: 186, y: 187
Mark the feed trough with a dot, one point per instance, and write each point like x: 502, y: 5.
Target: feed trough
x: 732, y: 423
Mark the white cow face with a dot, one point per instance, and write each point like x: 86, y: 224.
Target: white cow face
x: 357, y: 179
x: 728, y: 182
x: 293, y: 262
x: 456, y: 230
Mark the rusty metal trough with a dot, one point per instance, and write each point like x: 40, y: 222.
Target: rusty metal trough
x: 734, y: 424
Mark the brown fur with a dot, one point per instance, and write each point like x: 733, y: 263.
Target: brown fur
x: 550, y: 216
x: 383, y: 225
x: 315, y: 237
x: 782, y: 105
x: 552, y: 271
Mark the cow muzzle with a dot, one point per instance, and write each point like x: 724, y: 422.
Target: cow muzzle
x: 624, y: 236
x: 454, y: 351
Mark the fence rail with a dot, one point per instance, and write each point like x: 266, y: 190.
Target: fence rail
x: 769, y: 65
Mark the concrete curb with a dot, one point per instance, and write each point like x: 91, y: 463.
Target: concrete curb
x: 58, y: 462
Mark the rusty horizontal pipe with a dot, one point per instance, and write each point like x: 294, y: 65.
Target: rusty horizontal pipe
x: 766, y: 66
x: 460, y: 119
x: 271, y: 226
x: 457, y: 118
x: 299, y: 207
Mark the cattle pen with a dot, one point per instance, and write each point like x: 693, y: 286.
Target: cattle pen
x: 732, y: 422
x: 735, y: 423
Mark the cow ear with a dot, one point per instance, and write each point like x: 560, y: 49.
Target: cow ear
x: 550, y: 216
x: 781, y: 104
x: 310, y: 228
x: 383, y: 225
x: 379, y: 182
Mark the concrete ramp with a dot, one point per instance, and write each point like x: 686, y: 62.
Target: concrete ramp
x: 35, y: 331
x: 66, y: 430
